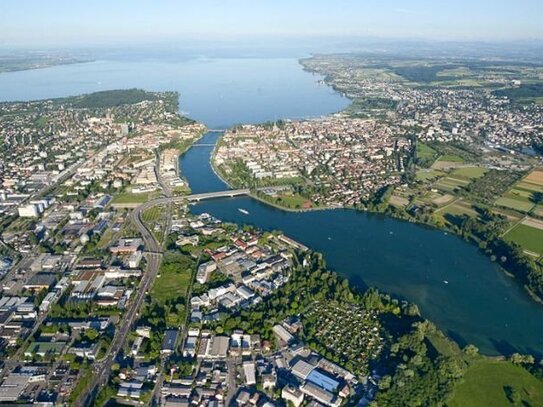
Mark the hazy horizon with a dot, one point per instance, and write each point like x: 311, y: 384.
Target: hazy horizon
x: 62, y: 23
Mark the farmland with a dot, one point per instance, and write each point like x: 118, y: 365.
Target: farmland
x: 525, y: 194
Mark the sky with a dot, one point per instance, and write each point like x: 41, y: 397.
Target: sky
x: 94, y: 22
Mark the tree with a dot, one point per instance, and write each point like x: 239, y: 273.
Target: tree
x: 471, y: 350
x: 519, y: 359
x: 537, y: 198
x: 512, y: 395
x: 91, y: 334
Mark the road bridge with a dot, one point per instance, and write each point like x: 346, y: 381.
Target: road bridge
x: 231, y: 193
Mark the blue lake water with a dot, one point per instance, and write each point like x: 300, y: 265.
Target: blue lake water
x: 479, y: 304
x: 217, y: 92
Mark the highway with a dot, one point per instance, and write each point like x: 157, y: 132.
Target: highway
x: 102, y: 369
x: 164, y: 186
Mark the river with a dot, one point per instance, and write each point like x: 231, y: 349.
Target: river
x: 453, y: 284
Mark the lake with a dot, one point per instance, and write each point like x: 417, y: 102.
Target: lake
x: 453, y: 284
x: 217, y: 92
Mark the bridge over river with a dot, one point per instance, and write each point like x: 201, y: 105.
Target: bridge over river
x: 231, y: 193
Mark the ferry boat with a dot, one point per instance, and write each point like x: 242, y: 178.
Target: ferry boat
x: 245, y: 212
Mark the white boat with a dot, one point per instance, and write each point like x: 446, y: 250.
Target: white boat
x: 245, y: 212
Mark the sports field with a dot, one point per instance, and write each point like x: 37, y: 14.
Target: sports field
x: 527, y: 236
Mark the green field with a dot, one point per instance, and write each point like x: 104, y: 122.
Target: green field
x: 423, y: 175
x: 291, y: 201
x: 515, y: 203
x: 174, y: 280
x: 522, y: 193
x: 426, y: 155
x: 130, y: 198
x: 424, y: 150
x: 530, y: 186
x: 449, y: 184
x: 486, y: 381
x: 172, y: 285
x: 451, y: 158
x: 527, y: 237
x: 469, y: 172
x: 152, y: 214
x: 459, y: 208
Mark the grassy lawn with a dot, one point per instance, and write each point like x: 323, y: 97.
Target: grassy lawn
x: 292, y: 201
x: 197, y: 250
x: 155, y: 219
x: 486, y: 380
x: 82, y: 384
x: 106, y: 239
x: 152, y: 214
x: 527, y: 237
